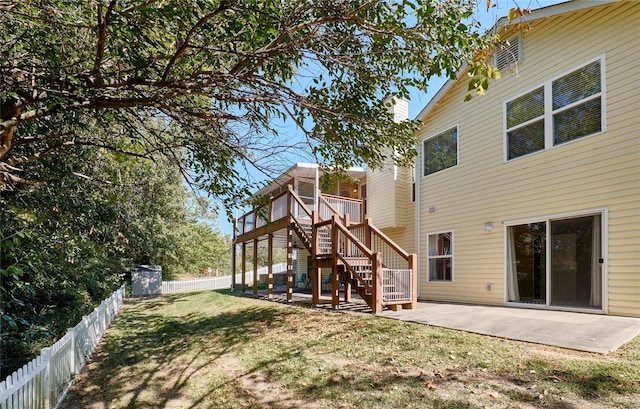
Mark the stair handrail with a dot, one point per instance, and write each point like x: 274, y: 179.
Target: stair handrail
x: 387, y: 240
x: 376, y: 263
x: 369, y: 253
x: 330, y: 206
x: 389, y: 247
x: 301, y: 203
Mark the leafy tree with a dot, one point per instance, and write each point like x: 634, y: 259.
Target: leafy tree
x: 66, y: 246
x: 222, y: 73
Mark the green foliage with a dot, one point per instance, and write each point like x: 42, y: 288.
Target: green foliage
x: 223, y: 75
x: 67, y: 246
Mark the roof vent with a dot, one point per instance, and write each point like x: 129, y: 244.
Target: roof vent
x: 509, y: 53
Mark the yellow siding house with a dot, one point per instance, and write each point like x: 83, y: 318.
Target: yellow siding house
x: 530, y: 195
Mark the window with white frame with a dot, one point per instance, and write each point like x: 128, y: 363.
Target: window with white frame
x: 440, y: 256
x: 563, y: 109
x: 440, y: 151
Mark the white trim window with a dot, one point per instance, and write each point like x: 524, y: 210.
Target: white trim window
x: 440, y: 151
x: 566, y: 108
x: 557, y: 262
x: 440, y: 256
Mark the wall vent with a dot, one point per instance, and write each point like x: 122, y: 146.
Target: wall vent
x: 509, y: 53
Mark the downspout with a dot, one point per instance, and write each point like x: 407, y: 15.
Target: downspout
x: 418, y: 171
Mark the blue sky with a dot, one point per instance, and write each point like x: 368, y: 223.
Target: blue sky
x: 418, y: 99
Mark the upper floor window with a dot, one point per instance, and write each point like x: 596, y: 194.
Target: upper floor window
x: 440, y: 152
x: 563, y: 109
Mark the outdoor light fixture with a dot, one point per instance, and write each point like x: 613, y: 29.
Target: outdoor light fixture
x: 488, y: 227
x: 432, y: 210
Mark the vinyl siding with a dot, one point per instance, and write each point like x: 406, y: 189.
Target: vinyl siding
x: 601, y: 171
x: 381, y: 196
x: 404, y: 236
x: 386, y: 197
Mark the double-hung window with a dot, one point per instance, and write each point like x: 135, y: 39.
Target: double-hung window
x: 440, y: 256
x: 440, y: 151
x: 563, y: 109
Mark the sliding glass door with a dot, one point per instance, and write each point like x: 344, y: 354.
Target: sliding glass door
x: 556, y: 262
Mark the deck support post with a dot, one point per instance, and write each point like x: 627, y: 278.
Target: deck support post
x: 233, y: 266
x: 335, y: 287
x: 347, y: 286
x: 316, y: 272
x: 243, y: 285
x: 270, y: 267
x: 335, y: 282
x: 413, y: 266
x: 346, y: 275
x: 377, y: 284
x: 255, y: 266
x: 289, y: 264
x: 368, y: 235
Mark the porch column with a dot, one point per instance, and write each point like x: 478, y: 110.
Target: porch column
x: 270, y: 267
x: 289, y: 264
x: 243, y: 285
x: 255, y: 266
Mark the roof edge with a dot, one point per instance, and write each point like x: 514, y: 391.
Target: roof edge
x: 543, y: 12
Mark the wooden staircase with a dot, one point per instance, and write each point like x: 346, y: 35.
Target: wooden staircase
x: 357, y: 264
x: 359, y: 255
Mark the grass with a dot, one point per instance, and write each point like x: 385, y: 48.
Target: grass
x: 214, y: 350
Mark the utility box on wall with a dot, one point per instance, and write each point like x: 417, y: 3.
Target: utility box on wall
x: 146, y: 280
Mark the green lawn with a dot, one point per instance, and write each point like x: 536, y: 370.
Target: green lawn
x: 214, y: 350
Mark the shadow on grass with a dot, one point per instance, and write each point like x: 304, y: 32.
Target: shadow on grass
x: 160, y: 347
x: 148, y: 350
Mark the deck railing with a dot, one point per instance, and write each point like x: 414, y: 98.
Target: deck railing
x: 397, y: 285
x: 214, y: 283
x: 280, y: 206
x: 330, y: 205
x: 43, y: 382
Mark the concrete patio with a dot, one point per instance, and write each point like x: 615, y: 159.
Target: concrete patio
x: 572, y: 330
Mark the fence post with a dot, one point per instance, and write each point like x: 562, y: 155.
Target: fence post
x: 103, y: 312
x: 47, y: 382
x: 72, y: 363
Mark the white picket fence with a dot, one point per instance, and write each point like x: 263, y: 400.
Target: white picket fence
x: 216, y: 283
x: 43, y: 382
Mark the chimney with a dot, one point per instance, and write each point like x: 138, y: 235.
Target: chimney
x: 399, y: 108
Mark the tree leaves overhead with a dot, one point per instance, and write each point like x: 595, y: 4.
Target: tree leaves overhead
x: 220, y: 74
